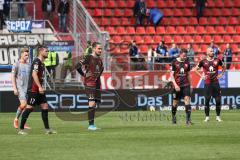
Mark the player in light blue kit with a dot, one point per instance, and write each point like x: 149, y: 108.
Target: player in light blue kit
x: 20, y: 76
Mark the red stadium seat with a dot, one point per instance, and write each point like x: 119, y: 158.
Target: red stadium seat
x: 228, y: 4
x: 177, y: 39
x: 98, y: 12
x: 227, y: 39
x: 204, y: 47
x: 161, y: 4
x: 180, y: 30
x: 168, y: 12
x: 226, y: 12
x: 180, y: 4
x: 161, y: 30
x: 213, y: 21
x: 140, y: 30
x: 100, y: 4
x: 127, y: 38
x: 170, y: 4
x: 236, y: 38
x: 216, y: 12
x: 167, y: 39
x: 91, y: 4
x: 121, y: 4
x: 220, y: 30
x: 177, y: 12
x: 111, y: 4
x: 183, y: 21
x: 200, y: 30
x: 217, y: 39
x: 157, y: 39
x: 190, y: 30
x: 151, y: 3
x: 236, y: 3
x: 115, y: 21
x: 230, y: 30
x: 223, y: 21
x: 118, y: 12
x: 130, y: 4
x: 104, y: 21
x: 108, y: 12
x: 117, y: 39
x: 138, y: 39
x: 150, y: 30
x: 102, y: 29
x: 165, y: 21
x: 203, y: 21
x: 130, y: 30
x: 207, y: 39
x: 219, y: 3
x: 125, y: 22
x: 210, y: 30
x: 235, y: 12
x: 235, y: 48
x: 195, y: 47
x: 238, y: 29
x: 207, y: 12
x: 210, y: 4
x: 128, y: 13
x: 187, y: 39
x: 233, y: 21
x: 188, y: 3
x: 148, y: 39
x: 197, y: 39
x: 143, y: 49
x: 193, y: 21
x: 120, y: 30
x: 170, y: 30
x: 174, y: 21
x: 187, y: 12
x: 111, y: 30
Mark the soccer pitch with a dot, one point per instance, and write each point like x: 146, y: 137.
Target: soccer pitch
x: 124, y: 136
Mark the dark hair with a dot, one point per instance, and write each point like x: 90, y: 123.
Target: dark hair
x: 95, y: 44
x: 183, y: 50
x: 89, y: 43
x: 40, y: 47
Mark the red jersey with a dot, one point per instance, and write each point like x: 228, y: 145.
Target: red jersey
x: 210, y: 69
x: 181, y: 71
x: 39, y: 67
x: 93, y: 69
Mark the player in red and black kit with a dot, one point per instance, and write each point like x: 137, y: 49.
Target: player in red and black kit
x: 93, y: 67
x: 210, y: 74
x: 35, y: 92
x: 181, y: 81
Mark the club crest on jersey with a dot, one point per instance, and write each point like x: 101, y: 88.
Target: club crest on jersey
x: 35, y: 67
x: 182, y: 71
x: 211, y: 69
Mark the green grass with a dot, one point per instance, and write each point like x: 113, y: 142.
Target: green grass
x: 123, y: 138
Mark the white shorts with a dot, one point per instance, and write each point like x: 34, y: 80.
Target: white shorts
x: 22, y: 95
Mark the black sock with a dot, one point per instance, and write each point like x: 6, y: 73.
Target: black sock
x: 45, y: 118
x: 218, y: 106
x: 207, y: 108
x: 188, y: 112
x: 174, y: 111
x: 91, y: 114
x: 25, y: 115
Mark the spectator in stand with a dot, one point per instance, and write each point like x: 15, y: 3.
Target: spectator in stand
x: 1, y: 14
x: 155, y: 16
x: 216, y: 49
x: 173, y: 52
x: 227, y: 56
x: 6, y: 8
x: 88, y: 50
x: 21, y: 9
x: 190, y: 54
x: 162, y: 54
x: 134, y: 55
x: 151, y: 57
x: 48, y: 8
x: 200, y: 6
x: 63, y: 10
x: 139, y: 11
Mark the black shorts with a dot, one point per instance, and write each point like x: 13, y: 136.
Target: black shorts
x: 34, y: 99
x: 213, y: 90
x: 93, y: 94
x: 184, y: 91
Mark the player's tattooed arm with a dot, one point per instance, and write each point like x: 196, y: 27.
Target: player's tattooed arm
x: 177, y: 88
x: 83, y: 61
x: 13, y: 78
x: 197, y: 69
x: 35, y: 77
x: 223, y: 69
